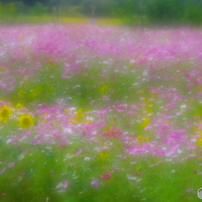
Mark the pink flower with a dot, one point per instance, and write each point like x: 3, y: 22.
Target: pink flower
x: 2, y: 170
x: 95, y: 183
x: 11, y: 164
x: 133, y: 107
x: 65, y: 184
x: 78, y: 153
x: 190, y: 190
x: 106, y: 176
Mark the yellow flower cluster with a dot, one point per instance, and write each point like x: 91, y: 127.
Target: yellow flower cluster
x: 24, y: 120
x: 142, y: 139
x: 145, y: 122
x: 200, y: 138
x: 5, y: 113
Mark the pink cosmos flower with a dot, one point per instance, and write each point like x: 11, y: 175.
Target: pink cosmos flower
x: 11, y: 164
x: 78, y: 153
x: 2, y: 170
x: 63, y: 185
x: 106, y: 176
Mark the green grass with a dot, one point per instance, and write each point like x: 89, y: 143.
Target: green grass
x: 37, y: 173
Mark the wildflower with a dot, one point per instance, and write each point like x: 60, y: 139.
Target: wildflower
x: 63, y: 185
x: 11, y: 164
x: 22, y: 174
x: 5, y: 113
x: 25, y: 121
x: 104, y: 154
x: 78, y: 153
x: 190, y: 190
x: 140, y: 139
x: 19, y: 105
x: 200, y: 141
x: 66, y: 110
x: 79, y: 115
x: 95, y: 183
x: 106, y: 176
x: 138, y: 174
x: 104, y: 89
x: 145, y: 122
x: 21, y: 92
x: 2, y: 171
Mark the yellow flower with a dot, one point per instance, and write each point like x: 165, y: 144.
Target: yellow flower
x: 104, y: 154
x: 21, y: 92
x: 104, y: 89
x: 146, y: 122
x: 79, y: 115
x: 108, y: 128
x: 88, y: 121
x: 66, y: 110
x: 200, y: 141
x: 191, y: 101
x: 1, y: 69
x: 18, y: 105
x: 5, y: 113
x: 25, y: 121
x: 147, y: 139
x: 140, y: 139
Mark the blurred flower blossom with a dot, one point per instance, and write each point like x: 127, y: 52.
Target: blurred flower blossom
x: 63, y: 185
x: 95, y: 183
x: 106, y: 176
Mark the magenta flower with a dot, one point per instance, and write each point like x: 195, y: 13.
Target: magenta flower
x: 106, y: 176
x: 78, y: 153
x: 63, y: 185
x: 11, y: 164
x: 2, y: 170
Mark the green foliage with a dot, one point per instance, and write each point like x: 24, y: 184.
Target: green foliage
x: 193, y: 12
x: 39, y: 169
x: 165, y: 11
x: 38, y: 10
x: 132, y: 12
x: 158, y: 11
x: 71, y: 11
x: 102, y: 7
x: 7, y: 11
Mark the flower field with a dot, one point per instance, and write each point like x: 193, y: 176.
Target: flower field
x: 94, y: 113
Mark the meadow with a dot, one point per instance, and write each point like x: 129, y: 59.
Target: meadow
x: 92, y: 113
